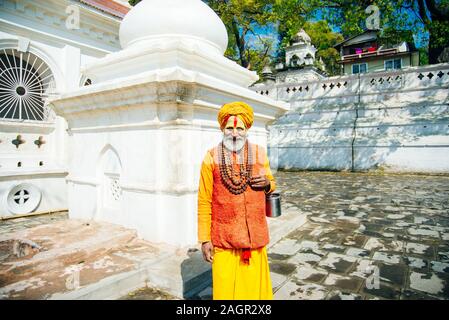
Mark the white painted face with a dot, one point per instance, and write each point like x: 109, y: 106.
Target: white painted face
x: 234, y: 134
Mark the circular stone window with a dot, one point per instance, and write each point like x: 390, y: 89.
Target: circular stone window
x: 27, y: 83
x: 23, y: 198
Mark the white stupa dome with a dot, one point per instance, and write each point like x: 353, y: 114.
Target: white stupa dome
x: 155, y: 20
x: 301, y: 37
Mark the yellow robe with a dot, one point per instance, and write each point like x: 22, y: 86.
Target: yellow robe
x: 232, y: 279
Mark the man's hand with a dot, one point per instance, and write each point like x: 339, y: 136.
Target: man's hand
x: 261, y: 182
x: 208, y: 251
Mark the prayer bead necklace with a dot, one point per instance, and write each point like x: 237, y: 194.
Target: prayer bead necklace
x: 236, y: 183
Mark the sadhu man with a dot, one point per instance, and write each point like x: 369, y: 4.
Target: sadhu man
x: 232, y: 225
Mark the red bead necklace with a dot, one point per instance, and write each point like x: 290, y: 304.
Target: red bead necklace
x: 235, y: 182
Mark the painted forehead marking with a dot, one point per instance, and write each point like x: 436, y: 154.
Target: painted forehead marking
x: 236, y: 123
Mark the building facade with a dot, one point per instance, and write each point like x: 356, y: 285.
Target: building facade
x: 300, y: 66
x: 43, y: 47
x: 363, y: 53
x: 109, y: 115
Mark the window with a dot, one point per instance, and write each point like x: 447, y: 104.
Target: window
x: 359, y: 68
x: 393, y: 64
x: 294, y: 61
x: 25, y: 83
x: 23, y: 198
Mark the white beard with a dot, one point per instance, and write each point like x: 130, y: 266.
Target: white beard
x: 231, y: 145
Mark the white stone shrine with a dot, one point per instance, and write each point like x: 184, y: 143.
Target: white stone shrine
x: 43, y: 45
x: 138, y: 134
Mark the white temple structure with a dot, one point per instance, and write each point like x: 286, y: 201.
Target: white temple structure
x: 301, y: 52
x: 130, y: 117
x: 300, y: 61
x: 300, y: 65
x: 138, y: 133
x: 43, y: 45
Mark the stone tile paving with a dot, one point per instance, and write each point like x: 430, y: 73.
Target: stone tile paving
x: 368, y: 236
x: 18, y: 224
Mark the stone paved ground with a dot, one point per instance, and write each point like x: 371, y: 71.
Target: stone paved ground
x: 368, y: 236
x: 52, y: 257
x: 362, y: 228
x: 359, y: 226
x: 13, y: 225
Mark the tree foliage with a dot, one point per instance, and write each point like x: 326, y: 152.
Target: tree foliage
x: 244, y: 21
x: 324, y: 39
x: 422, y: 21
x: 259, y: 30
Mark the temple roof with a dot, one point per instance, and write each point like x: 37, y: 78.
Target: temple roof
x: 114, y: 8
x: 301, y: 37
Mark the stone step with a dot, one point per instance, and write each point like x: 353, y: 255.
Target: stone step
x: 113, y: 260
x: 182, y: 273
x: 72, y: 242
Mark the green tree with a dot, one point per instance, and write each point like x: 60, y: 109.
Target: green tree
x: 242, y: 18
x: 272, y: 23
x: 422, y: 21
x: 399, y: 20
x: 434, y: 15
x: 290, y: 16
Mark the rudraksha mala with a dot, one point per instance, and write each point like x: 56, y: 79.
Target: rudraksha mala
x: 236, y: 183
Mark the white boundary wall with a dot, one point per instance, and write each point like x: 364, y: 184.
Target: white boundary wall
x: 395, y: 121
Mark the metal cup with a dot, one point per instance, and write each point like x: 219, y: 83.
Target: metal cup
x: 273, y: 205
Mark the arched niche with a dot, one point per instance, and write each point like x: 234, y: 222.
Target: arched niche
x: 109, y: 172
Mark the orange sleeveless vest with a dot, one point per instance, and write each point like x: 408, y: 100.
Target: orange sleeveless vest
x: 239, y: 221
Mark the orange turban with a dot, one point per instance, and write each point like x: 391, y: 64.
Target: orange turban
x: 239, y: 109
